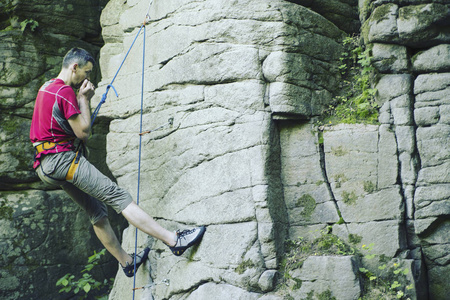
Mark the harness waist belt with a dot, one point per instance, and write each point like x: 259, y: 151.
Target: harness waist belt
x: 40, y: 147
x: 50, y: 145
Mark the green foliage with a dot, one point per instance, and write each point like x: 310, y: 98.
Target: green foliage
x: 349, y: 198
x: 30, y: 23
x: 6, y: 211
x: 308, y: 203
x: 243, y: 266
x: 387, y: 282
x: 354, y: 238
x: 339, y: 179
x: 392, y: 285
x: 326, y: 295
x: 356, y: 103
x: 298, y: 250
x: 86, y: 283
x: 369, y: 187
x: 341, y: 221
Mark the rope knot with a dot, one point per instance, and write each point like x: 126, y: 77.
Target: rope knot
x: 114, y: 89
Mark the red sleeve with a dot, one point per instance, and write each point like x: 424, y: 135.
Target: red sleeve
x: 68, y: 102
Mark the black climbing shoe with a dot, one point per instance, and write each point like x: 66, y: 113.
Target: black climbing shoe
x: 140, y: 258
x: 186, y: 239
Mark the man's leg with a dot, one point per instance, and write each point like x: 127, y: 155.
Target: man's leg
x: 97, y: 212
x: 91, y: 181
x: 99, y: 218
x: 141, y: 220
x: 178, y: 242
x: 109, y: 240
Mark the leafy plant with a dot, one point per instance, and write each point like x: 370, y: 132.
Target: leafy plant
x: 388, y: 281
x: 356, y: 104
x: 393, y: 285
x: 300, y: 249
x: 32, y: 24
x: 369, y: 186
x: 86, y: 283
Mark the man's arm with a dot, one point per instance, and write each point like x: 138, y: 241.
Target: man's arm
x: 81, y: 123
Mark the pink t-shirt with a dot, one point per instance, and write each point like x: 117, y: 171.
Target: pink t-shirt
x: 55, y: 103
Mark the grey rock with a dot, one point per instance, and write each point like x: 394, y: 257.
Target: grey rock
x: 387, y: 236
x: 426, y: 116
x: 388, y: 202
x: 382, y: 24
x: 389, y: 58
x: 419, y: 24
x: 435, y: 59
x: 432, y: 201
x: 432, y: 143
x: 439, y: 272
x: 402, y: 110
x: 221, y: 291
x: 337, y: 274
x: 430, y: 83
x: 393, y: 86
x: 244, y: 81
x: 267, y: 280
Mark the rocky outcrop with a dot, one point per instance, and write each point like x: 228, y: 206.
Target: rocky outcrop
x: 244, y: 82
x: 43, y: 235
x: 417, y: 114
x: 218, y: 164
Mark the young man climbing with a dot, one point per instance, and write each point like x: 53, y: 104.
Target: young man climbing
x: 60, y: 127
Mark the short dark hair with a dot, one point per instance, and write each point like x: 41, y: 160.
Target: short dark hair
x: 79, y: 56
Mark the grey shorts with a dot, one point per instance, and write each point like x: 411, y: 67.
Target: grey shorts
x: 88, y: 186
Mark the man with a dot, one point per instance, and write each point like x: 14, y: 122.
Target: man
x: 59, y: 129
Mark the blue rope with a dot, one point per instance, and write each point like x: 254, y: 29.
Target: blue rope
x: 140, y: 155
x: 103, y: 100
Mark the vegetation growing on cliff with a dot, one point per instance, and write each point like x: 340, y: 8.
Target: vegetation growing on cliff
x: 356, y: 102
x: 383, y: 279
x: 83, y: 286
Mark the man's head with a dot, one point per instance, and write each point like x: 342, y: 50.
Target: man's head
x: 78, y: 56
x: 80, y: 63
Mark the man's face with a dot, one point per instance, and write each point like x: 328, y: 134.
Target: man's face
x: 81, y: 73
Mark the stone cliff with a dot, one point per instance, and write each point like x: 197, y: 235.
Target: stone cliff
x: 43, y: 235
x: 245, y: 83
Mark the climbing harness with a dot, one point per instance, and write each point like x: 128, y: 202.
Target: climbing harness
x: 79, y: 150
x: 41, y: 147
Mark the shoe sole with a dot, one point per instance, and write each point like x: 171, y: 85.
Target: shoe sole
x: 143, y: 259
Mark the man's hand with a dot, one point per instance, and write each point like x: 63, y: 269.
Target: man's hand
x: 87, y: 90
x: 81, y: 123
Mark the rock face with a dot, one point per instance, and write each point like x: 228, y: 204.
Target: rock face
x: 244, y: 82
x: 219, y: 163
x: 43, y: 235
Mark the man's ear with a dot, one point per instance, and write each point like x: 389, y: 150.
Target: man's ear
x: 74, y: 67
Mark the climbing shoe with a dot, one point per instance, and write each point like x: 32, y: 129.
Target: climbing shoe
x: 140, y: 258
x: 186, y: 239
